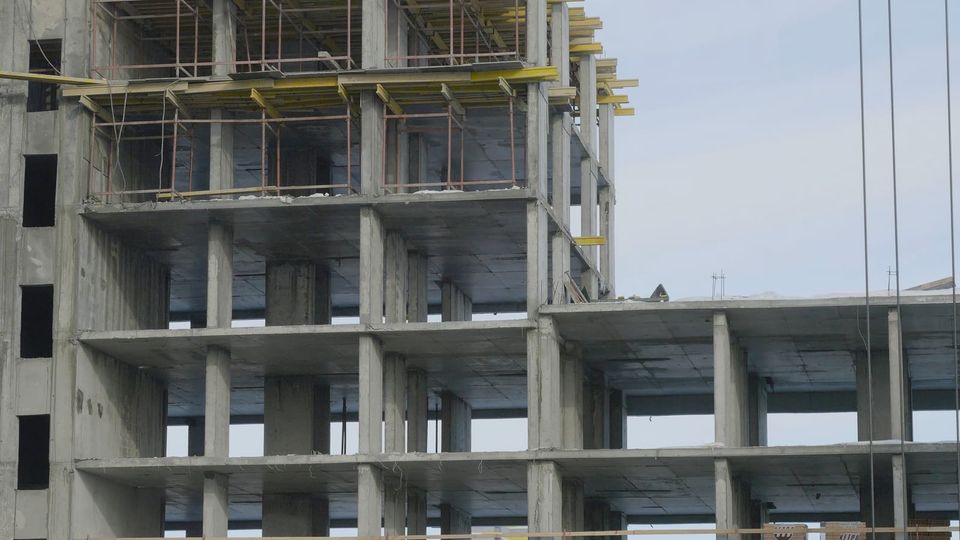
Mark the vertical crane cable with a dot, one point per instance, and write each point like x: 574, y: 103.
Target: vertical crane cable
x: 866, y: 277
x: 896, y: 255
x: 953, y: 248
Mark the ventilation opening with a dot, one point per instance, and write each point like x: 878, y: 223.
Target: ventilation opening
x: 39, y: 190
x: 33, y: 456
x: 36, y: 322
x: 44, y: 60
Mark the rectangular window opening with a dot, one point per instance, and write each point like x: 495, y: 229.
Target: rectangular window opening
x: 44, y: 60
x: 33, y: 454
x: 39, y: 190
x: 36, y: 321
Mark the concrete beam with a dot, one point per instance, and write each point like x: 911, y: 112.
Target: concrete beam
x: 729, y: 385
x: 455, y: 417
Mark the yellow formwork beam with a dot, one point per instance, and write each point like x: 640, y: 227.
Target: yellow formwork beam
x: 49, y: 79
x: 590, y: 240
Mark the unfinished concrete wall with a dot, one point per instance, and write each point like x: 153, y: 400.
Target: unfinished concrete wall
x: 120, y: 410
x: 109, y: 509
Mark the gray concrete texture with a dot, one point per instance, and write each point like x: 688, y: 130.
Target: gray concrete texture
x: 116, y: 376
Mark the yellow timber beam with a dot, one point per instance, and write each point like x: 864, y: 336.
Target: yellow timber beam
x: 50, y: 79
x: 388, y: 100
x: 258, y: 98
x: 590, y: 240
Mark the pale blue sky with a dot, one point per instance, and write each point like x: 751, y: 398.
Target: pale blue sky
x: 745, y: 151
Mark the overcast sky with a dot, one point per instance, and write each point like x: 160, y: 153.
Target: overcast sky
x: 744, y: 154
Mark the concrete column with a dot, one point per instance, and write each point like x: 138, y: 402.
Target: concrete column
x: 195, y: 436
x: 297, y: 293
x: 417, y: 412
x: 454, y: 520
x: 588, y: 166
x: 369, y: 499
x: 394, y: 403
x: 296, y: 416
x: 295, y: 514
x: 618, y: 419
x: 729, y: 386
x: 397, y: 286
x: 372, y: 138
x: 544, y: 497
x: 296, y: 421
x: 901, y: 496
x: 901, y: 411
x: 881, y: 503
x: 371, y: 395
x: 418, y: 147
x: 596, y: 403
x: 394, y: 506
x: 607, y: 200
x: 544, y: 408
x: 757, y: 410
x: 372, y: 267
x: 877, y: 405
x: 538, y: 287
x: 417, y: 278
x: 573, y: 506
x: 455, y: 417
x: 215, y: 504
x: 571, y: 397
x: 217, y: 406
x: 224, y: 37
x: 416, y: 511
x: 733, y: 500
x: 373, y: 13
x: 455, y: 305
x: 617, y: 522
x: 561, y: 129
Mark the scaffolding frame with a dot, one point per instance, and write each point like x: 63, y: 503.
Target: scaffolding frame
x: 276, y: 23
x: 439, y: 23
x: 166, y: 188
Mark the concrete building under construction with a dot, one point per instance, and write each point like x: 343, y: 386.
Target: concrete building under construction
x: 375, y: 179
